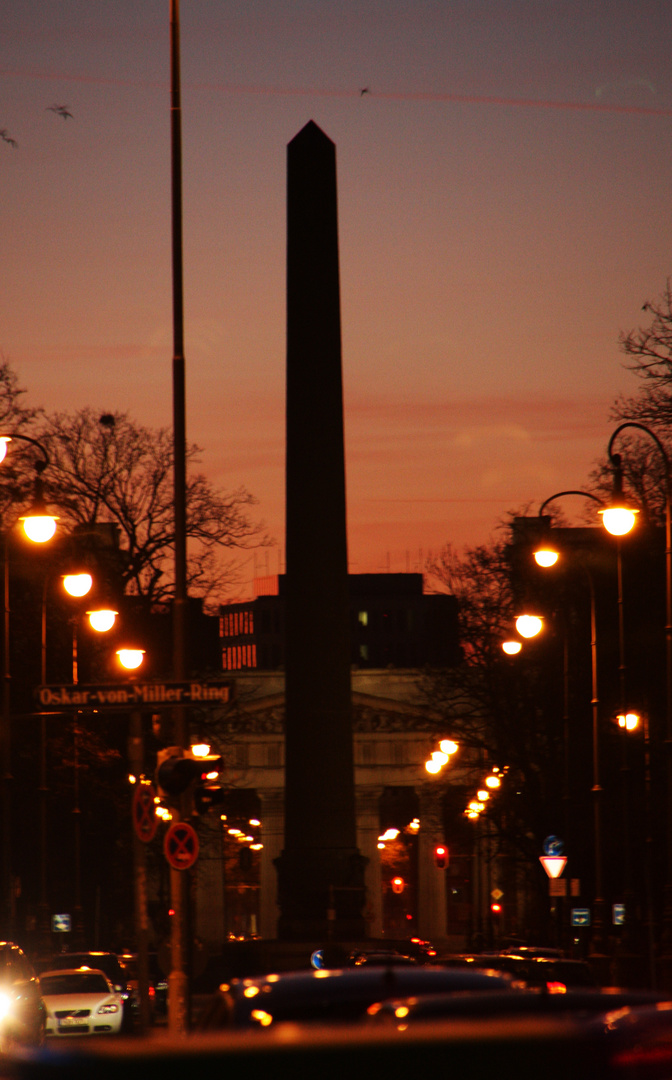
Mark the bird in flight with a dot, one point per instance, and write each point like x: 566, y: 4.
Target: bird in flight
x: 6, y: 137
x: 61, y: 110
x: 364, y: 90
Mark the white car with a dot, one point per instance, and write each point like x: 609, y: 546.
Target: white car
x: 81, y: 1001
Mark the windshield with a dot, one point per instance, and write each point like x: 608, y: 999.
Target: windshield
x: 84, y: 983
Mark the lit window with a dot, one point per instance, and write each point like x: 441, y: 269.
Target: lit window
x: 363, y: 618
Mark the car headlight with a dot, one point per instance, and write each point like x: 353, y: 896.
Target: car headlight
x: 6, y: 1005
x: 110, y: 1008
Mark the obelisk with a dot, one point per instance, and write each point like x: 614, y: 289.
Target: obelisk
x: 320, y: 870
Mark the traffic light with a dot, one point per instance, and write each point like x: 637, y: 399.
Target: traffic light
x: 398, y: 885
x: 441, y: 856
x: 495, y: 909
x: 178, y: 768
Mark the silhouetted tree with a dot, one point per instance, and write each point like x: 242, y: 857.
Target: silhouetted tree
x: 649, y: 350
x: 111, y: 469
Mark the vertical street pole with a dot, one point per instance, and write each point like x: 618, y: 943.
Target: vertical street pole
x: 136, y: 759
x: 178, y: 988
x: 6, y: 759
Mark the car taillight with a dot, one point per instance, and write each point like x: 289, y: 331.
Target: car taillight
x: 556, y: 988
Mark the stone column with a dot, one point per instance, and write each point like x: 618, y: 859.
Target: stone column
x: 368, y: 830
x: 432, y: 904
x: 273, y: 821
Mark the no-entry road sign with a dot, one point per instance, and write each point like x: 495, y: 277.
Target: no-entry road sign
x: 145, y: 821
x: 180, y: 845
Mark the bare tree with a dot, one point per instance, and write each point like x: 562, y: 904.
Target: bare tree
x: 17, y: 472
x: 649, y: 350
x: 111, y: 469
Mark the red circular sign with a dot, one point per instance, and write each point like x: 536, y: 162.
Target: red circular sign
x: 180, y: 845
x: 145, y: 821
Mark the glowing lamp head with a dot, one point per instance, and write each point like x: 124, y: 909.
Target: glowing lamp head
x: 130, y: 658
x: 628, y: 721
x: 77, y: 584
x: 200, y: 750
x: 39, y: 527
x: 432, y: 766
x: 546, y: 557
x: 618, y: 520
x: 4, y: 439
x: 512, y: 648
x: 493, y: 782
x: 447, y: 746
x: 528, y: 626
x: 102, y: 620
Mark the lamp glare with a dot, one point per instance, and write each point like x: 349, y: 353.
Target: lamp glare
x: 528, y: 626
x: 546, y: 557
x: 618, y: 520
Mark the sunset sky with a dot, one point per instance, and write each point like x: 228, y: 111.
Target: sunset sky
x: 505, y: 187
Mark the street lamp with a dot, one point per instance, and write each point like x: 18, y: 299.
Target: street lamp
x: 543, y: 557
x: 615, y: 460
x: 39, y: 526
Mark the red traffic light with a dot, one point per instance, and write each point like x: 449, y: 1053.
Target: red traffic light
x: 496, y: 908
x: 398, y: 885
x: 441, y: 856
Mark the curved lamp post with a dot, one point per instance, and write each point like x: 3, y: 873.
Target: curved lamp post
x: 545, y: 557
x: 39, y: 526
x: 615, y: 460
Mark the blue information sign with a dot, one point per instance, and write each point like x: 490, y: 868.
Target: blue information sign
x: 580, y: 916
x: 553, y: 845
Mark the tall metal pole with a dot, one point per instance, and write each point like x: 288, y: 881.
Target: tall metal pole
x: 178, y: 989
x: 666, y: 951
x: 597, y: 943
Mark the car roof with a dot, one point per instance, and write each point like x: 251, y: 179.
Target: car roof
x: 347, y: 992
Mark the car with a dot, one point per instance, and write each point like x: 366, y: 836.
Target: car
x: 335, y: 995
x: 551, y: 973
x: 157, y: 985
x: 381, y: 959
x: 108, y: 962
x: 81, y: 1001
x: 527, y: 1002
x: 22, y: 1013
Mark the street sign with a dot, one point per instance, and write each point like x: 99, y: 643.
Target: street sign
x: 180, y: 845
x: 553, y: 864
x: 134, y: 695
x: 61, y: 924
x: 618, y: 914
x: 580, y: 916
x: 145, y: 821
x: 553, y: 845
x: 557, y: 886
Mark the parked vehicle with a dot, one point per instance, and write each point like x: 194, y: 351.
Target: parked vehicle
x: 108, y: 962
x: 81, y: 1001
x: 549, y: 972
x: 157, y: 988
x: 335, y: 995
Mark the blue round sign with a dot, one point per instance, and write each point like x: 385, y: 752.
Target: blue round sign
x: 553, y: 845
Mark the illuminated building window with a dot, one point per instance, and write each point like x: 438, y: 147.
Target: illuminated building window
x: 363, y: 618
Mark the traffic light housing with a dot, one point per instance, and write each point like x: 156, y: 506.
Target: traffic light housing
x: 177, y: 769
x: 440, y: 856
